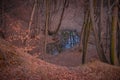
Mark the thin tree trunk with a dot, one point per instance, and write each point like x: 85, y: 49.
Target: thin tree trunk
x: 83, y: 26
x: 37, y: 18
x: 113, y: 52
x: 119, y: 32
x: 85, y: 38
x: 27, y: 37
x: 101, y: 25
x: 61, y: 18
x: 101, y: 21
x: 32, y: 16
x: 118, y: 44
x: 2, y: 32
x: 46, y: 25
x: 98, y: 47
x: 107, y: 28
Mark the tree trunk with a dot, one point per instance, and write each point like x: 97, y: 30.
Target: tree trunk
x: 98, y: 47
x: 113, y: 52
x: 61, y: 18
x: 118, y: 44
x: 85, y: 38
x: 32, y: 16
x: 46, y: 24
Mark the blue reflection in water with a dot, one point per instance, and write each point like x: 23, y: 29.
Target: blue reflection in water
x: 71, y: 41
x: 68, y: 39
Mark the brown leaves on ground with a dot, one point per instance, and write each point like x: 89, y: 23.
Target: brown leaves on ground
x: 17, y: 65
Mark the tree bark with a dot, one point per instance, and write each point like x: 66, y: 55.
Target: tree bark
x: 46, y: 24
x: 86, y: 38
x: 61, y: 18
x: 98, y: 47
x: 113, y: 52
x: 32, y: 16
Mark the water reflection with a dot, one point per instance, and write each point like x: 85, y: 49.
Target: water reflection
x: 68, y: 39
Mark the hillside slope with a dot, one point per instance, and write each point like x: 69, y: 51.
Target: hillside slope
x: 17, y: 65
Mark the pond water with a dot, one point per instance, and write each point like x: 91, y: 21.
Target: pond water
x: 68, y: 39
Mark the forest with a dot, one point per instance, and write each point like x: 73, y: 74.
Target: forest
x: 60, y: 40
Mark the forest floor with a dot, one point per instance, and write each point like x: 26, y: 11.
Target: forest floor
x: 15, y: 64
x: 70, y: 57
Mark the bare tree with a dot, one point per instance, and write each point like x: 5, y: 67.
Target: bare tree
x: 60, y: 21
x: 98, y: 47
x: 32, y: 16
x: 46, y: 24
x: 113, y: 52
x: 85, y: 32
x: 86, y: 38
